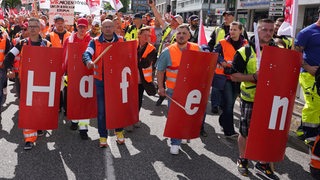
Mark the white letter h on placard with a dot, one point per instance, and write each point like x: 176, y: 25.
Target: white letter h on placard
x: 31, y: 88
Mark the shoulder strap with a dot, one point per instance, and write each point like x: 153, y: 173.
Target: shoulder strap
x: 248, y: 54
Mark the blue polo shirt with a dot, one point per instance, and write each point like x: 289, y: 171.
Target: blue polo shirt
x: 309, y: 38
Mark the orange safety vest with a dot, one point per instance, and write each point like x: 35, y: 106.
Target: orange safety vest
x: 175, y: 55
x: 147, y: 72
x: 55, y: 40
x: 3, y: 42
x: 315, y: 159
x: 228, y: 54
x: 97, y: 70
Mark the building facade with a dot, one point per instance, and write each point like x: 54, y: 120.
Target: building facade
x: 139, y: 6
x: 211, y: 9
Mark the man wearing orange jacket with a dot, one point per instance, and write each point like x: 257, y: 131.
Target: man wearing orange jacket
x: 57, y: 37
x: 93, y: 50
x: 30, y: 135
x: 168, y: 63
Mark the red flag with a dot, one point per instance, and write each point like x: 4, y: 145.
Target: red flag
x: 115, y: 4
x: 40, y: 87
x: 191, y: 91
x: 273, y: 104
x: 121, y: 84
x: 93, y: 5
x: 288, y: 27
x: 1, y: 14
x: 81, y: 99
x: 202, y: 40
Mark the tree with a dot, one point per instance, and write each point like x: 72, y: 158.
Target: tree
x: 11, y: 3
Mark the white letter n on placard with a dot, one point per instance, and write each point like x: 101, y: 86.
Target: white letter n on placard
x: 31, y: 88
x: 276, y: 105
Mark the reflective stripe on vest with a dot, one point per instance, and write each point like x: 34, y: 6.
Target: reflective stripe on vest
x: 220, y: 34
x: 55, y: 39
x: 175, y: 56
x: 30, y: 135
x: 248, y: 89
x: 315, y: 160
x: 147, y: 72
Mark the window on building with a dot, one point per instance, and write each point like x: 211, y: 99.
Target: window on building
x: 310, y: 16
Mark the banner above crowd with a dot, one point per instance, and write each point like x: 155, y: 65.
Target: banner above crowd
x: 65, y: 8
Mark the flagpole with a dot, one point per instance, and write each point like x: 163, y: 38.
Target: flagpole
x: 178, y: 104
x: 103, y: 52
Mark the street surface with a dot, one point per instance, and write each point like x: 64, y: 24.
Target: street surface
x: 61, y: 154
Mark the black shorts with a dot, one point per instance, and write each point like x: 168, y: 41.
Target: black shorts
x: 246, y: 111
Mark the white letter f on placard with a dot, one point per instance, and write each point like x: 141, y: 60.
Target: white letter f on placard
x: 125, y: 84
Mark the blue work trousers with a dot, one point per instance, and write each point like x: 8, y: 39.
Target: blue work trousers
x: 102, y: 128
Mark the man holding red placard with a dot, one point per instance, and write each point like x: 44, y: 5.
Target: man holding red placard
x: 168, y: 63
x: 245, y: 71
x: 30, y: 135
x: 92, y: 52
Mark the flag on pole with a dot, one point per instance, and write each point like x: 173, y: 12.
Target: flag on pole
x: 94, y: 6
x: 288, y: 27
x: 115, y: 4
x: 202, y: 40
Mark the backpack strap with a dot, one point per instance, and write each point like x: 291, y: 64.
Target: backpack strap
x: 248, y: 54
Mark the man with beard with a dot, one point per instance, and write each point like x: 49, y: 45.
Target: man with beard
x: 194, y: 28
x: 168, y: 63
x: 245, y: 71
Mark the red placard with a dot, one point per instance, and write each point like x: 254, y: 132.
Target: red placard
x: 273, y: 104
x: 191, y: 91
x: 81, y: 99
x: 121, y: 84
x: 40, y: 87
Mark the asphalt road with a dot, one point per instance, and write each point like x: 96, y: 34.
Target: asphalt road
x: 61, y: 154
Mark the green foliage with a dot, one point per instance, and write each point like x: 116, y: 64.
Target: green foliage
x: 11, y: 3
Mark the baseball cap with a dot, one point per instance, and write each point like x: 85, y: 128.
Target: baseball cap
x: 83, y: 22
x: 137, y: 16
x: 228, y: 12
x: 193, y: 17
x: 96, y: 23
x: 58, y: 17
x: 178, y: 18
